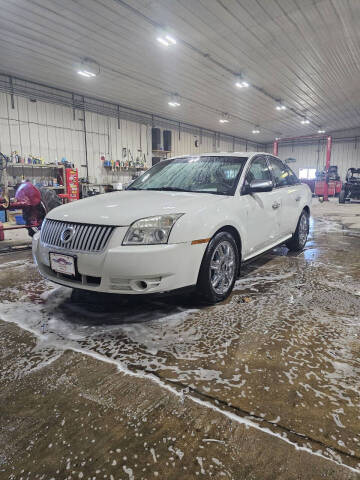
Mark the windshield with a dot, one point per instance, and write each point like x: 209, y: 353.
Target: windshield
x: 355, y: 174
x: 204, y: 174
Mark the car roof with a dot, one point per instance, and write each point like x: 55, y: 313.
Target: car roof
x: 222, y: 154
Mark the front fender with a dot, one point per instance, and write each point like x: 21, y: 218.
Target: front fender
x: 205, y: 222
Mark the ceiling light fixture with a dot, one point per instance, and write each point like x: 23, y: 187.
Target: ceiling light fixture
x: 224, y: 118
x: 280, y: 106
x: 305, y: 121
x: 256, y: 130
x: 174, y: 100
x: 88, y: 68
x: 321, y: 130
x: 86, y: 73
x: 166, y: 39
x: 240, y: 82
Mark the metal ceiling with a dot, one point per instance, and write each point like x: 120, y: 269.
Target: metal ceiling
x: 305, y: 53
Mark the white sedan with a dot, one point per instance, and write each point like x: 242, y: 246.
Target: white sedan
x: 187, y: 222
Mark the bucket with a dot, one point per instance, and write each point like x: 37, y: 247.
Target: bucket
x: 19, y: 220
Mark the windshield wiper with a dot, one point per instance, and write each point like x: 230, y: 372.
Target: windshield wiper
x: 167, y: 189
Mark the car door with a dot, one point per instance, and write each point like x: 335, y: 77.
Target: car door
x: 262, y: 230
x: 288, y: 187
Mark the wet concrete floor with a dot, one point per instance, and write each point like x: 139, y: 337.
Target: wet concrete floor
x: 263, y: 386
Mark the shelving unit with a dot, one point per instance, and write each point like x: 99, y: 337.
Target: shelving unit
x: 53, y: 177
x: 18, y: 172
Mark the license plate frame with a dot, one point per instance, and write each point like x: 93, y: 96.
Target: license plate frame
x: 63, y: 264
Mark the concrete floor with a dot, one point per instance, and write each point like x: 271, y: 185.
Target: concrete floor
x: 14, y: 239
x: 263, y: 386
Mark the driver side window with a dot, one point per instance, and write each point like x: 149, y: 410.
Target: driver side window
x: 258, y: 170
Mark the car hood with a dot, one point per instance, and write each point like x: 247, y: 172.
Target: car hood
x: 125, y: 207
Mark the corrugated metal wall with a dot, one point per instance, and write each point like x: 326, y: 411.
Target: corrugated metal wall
x: 55, y: 131
x: 185, y: 143
x: 345, y: 154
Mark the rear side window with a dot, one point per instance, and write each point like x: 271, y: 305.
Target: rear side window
x: 258, y: 170
x: 282, y: 174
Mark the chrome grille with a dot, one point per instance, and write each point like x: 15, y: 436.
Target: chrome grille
x: 86, y: 238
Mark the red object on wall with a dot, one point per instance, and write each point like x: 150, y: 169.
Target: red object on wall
x: 72, y: 184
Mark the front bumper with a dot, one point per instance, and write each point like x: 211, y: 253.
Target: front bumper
x: 127, y: 269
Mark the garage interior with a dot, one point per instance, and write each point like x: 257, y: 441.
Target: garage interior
x: 264, y: 385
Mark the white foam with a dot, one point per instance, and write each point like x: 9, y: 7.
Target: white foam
x: 65, y: 339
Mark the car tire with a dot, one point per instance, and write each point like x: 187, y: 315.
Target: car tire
x: 219, y: 268
x: 342, y: 196
x: 298, y: 241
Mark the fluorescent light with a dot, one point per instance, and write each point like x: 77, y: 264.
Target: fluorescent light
x: 224, y: 118
x: 256, y: 130
x: 166, y: 39
x: 88, y: 68
x: 170, y: 39
x: 241, y: 83
x: 280, y: 106
x: 174, y: 100
x: 321, y: 130
x: 163, y: 41
x: 86, y: 73
x: 305, y: 121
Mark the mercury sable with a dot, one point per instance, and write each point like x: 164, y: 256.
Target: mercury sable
x: 188, y: 221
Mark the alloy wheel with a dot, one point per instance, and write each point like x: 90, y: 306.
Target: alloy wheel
x: 222, y: 267
x: 303, y: 229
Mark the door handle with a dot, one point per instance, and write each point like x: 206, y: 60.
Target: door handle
x: 275, y: 205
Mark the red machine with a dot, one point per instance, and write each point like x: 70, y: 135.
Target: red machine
x: 338, y: 187
x: 332, y: 179
x: 322, y: 187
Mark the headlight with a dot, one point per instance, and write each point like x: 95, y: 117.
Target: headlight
x: 151, y: 230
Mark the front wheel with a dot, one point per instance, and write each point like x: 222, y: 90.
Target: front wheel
x: 219, y: 268
x: 298, y: 240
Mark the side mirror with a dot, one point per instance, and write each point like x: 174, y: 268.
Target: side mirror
x: 260, y: 186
